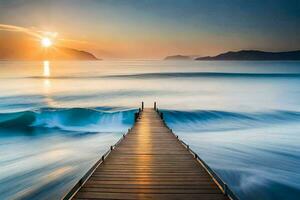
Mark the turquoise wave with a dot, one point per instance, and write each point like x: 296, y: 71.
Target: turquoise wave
x: 215, y: 120
x: 70, y: 119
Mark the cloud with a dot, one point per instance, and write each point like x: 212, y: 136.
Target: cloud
x: 75, y: 41
x: 38, y: 33
x: 29, y: 31
x: 12, y: 28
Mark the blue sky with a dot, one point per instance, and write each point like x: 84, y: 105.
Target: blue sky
x: 154, y: 28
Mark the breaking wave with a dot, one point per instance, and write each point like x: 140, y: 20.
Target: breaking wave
x: 214, y: 120
x: 70, y: 119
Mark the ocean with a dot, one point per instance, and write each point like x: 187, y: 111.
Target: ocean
x: 58, y: 118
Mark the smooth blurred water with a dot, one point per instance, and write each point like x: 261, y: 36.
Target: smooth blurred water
x: 58, y: 118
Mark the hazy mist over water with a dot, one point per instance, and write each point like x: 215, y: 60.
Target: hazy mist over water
x: 58, y: 118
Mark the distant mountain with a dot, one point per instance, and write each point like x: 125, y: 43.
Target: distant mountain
x: 72, y: 54
x: 53, y: 53
x: 254, y: 55
x: 178, y: 57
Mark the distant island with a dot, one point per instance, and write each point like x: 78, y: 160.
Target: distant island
x: 56, y: 53
x: 74, y: 54
x: 178, y: 57
x: 254, y: 55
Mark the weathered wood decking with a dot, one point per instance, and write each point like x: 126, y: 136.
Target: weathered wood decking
x: 150, y: 163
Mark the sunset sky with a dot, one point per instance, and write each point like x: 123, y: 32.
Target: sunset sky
x: 152, y: 28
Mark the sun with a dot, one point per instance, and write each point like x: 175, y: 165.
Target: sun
x: 46, y: 42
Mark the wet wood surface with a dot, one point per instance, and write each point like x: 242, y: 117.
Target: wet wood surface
x: 150, y: 163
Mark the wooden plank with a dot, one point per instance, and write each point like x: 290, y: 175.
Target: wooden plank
x: 100, y: 196
x: 150, y: 163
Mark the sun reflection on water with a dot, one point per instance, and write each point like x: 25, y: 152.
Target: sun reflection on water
x: 46, y: 74
x: 47, y: 83
x: 46, y: 65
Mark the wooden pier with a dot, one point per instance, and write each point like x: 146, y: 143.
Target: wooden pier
x: 150, y: 162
